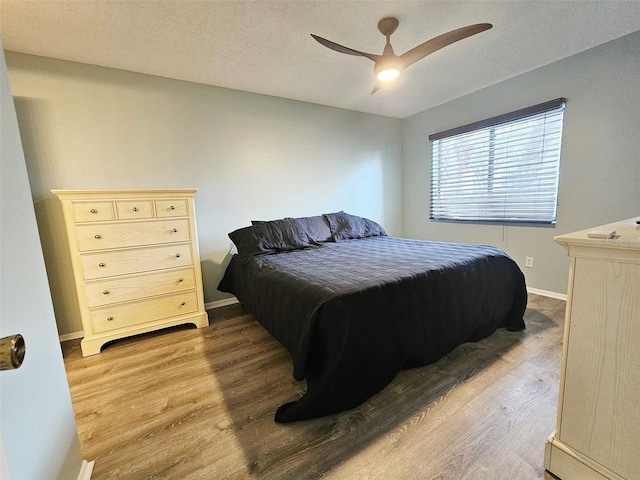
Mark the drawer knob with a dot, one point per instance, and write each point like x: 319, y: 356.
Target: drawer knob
x: 106, y: 292
x: 172, y: 207
x: 102, y: 265
x: 180, y: 280
x: 98, y: 237
x: 109, y: 319
x: 177, y: 255
x: 135, y: 209
x: 93, y: 210
x: 182, y: 304
x: 175, y: 230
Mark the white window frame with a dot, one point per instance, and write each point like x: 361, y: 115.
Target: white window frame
x: 504, y: 169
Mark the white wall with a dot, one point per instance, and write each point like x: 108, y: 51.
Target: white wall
x: 600, y: 166
x: 251, y: 156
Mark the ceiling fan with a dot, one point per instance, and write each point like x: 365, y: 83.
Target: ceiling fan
x: 389, y: 65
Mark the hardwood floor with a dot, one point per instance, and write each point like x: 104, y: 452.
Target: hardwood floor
x: 199, y: 404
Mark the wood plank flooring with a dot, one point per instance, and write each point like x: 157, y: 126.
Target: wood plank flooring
x: 199, y: 404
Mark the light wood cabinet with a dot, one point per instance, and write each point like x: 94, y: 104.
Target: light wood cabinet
x: 135, y: 261
x: 597, y: 432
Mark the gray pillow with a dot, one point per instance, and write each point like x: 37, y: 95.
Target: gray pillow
x: 271, y: 237
x: 317, y: 227
x: 282, y: 235
x: 345, y: 227
x: 246, y: 242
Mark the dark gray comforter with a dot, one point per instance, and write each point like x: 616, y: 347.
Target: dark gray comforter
x: 354, y: 313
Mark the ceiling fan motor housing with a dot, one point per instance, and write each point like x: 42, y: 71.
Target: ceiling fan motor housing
x: 388, y: 25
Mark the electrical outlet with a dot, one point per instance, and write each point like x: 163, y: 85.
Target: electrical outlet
x: 528, y: 262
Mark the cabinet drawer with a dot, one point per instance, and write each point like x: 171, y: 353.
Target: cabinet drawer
x: 126, y: 289
x: 140, y: 260
x: 131, y: 234
x: 171, y: 208
x: 131, y: 210
x: 92, y: 211
x: 113, y: 318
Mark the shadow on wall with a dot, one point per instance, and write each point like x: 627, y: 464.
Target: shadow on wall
x: 39, y: 145
x: 57, y: 259
x: 212, y: 273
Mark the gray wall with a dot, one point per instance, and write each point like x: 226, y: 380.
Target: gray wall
x: 600, y: 166
x: 251, y: 156
x: 259, y: 157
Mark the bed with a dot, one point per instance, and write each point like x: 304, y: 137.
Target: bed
x: 354, y: 306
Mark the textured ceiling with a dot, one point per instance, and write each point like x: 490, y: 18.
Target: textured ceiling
x: 265, y: 46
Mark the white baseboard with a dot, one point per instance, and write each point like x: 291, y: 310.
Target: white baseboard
x: 86, y: 470
x: 220, y: 303
x: 71, y: 336
x: 547, y: 293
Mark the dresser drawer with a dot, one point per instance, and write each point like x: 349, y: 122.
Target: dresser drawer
x: 122, y: 316
x: 139, y: 260
x: 126, y: 289
x: 171, y: 208
x: 131, y: 234
x: 92, y: 211
x: 130, y: 210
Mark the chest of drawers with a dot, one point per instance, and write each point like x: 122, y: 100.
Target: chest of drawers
x: 135, y: 261
x: 597, y: 434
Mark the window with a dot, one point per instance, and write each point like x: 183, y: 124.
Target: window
x: 503, y: 169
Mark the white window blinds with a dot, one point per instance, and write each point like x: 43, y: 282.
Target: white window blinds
x: 503, y: 169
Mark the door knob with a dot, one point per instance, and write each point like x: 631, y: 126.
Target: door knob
x: 12, y: 350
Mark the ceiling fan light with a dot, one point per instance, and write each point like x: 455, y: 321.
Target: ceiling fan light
x: 388, y: 68
x: 388, y: 75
